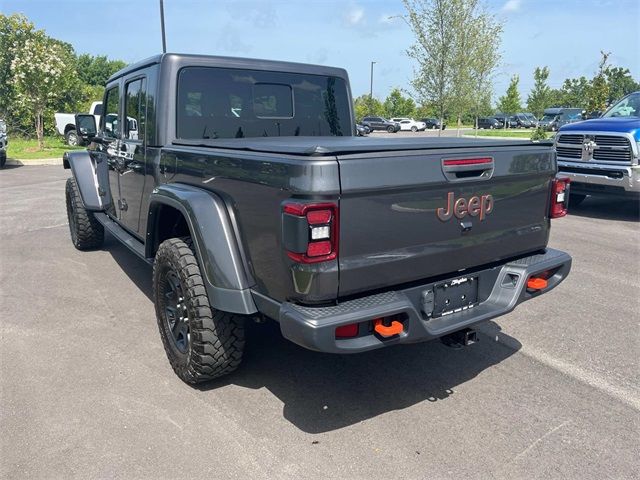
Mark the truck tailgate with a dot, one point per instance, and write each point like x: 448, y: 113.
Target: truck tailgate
x: 390, y: 232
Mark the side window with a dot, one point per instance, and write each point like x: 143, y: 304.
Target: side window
x: 110, y: 123
x: 135, y: 107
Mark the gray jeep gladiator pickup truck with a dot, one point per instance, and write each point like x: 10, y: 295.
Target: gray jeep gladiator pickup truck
x: 242, y: 182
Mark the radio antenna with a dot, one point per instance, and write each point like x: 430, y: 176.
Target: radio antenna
x: 164, y: 40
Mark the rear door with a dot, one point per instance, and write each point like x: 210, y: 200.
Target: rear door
x: 409, y: 216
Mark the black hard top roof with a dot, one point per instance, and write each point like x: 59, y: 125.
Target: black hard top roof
x: 231, y: 62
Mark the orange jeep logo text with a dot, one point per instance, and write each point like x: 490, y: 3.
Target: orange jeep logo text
x: 476, y: 207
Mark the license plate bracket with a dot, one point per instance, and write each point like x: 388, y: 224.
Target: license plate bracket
x: 455, y: 295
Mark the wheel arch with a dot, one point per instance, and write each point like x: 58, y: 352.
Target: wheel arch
x: 179, y: 210
x: 87, y: 174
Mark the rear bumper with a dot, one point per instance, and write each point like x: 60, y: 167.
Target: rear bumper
x: 501, y: 288
x: 601, y: 179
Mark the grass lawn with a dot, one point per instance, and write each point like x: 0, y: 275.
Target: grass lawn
x: 507, y: 133
x: 27, y: 149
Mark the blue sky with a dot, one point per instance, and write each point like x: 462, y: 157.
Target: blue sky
x: 566, y: 35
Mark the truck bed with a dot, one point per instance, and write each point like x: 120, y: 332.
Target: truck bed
x: 389, y: 192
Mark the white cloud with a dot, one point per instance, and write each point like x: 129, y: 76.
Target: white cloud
x: 355, y: 16
x: 512, y: 6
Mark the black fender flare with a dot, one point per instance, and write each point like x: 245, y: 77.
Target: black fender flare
x: 226, y: 278
x: 89, y: 173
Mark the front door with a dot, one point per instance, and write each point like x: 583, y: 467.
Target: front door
x: 107, y: 150
x: 131, y: 155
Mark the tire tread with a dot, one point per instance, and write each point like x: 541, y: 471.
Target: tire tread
x: 217, y: 338
x: 89, y: 232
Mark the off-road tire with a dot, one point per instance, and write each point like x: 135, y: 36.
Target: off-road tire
x: 86, y: 232
x: 3, y: 159
x: 215, y: 339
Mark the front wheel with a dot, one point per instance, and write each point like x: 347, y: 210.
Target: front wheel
x: 3, y: 158
x: 86, y: 232
x: 201, y: 343
x: 391, y: 129
x: 414, y: 129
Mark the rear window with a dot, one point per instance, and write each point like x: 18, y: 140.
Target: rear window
x: 230, y: 103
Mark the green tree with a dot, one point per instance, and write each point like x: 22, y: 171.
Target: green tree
x: 397, y: 105
x: 364, y: 106
x: 540, y: 96
x: 510, y: 102
x: 574, y: 92
x: 620, y: 83
x: 43, y: 71
x: 97, y: 70
x: 433, y: 23
x: 483, y: 57
x: 14, y: 31
x: 426, y: 111
x: 599, y: 91
x: 450, y: 38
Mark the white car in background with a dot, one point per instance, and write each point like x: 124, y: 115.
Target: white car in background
x: 407, y: 124
x: 66, y: 124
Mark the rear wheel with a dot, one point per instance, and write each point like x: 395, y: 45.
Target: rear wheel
x: 86, y: 231
x: 3, y: 158
x: 201, y: 343
x: 72, y: 138
x: 576, y: 199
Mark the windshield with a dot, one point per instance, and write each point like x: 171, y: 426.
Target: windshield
x: 231, y: 103
x: 547, y: 117
x: 629, y: 106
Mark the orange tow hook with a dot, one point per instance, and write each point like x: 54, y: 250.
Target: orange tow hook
x: 536, y: 283
x: 394, y: 329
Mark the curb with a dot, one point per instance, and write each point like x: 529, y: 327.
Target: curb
x: 35, y: 161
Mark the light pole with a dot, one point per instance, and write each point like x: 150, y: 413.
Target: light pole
x: 164, y: 41
x: 371, y: 91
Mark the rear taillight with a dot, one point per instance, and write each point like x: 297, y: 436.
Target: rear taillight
x: 559, y: 197
x: 310, y: 231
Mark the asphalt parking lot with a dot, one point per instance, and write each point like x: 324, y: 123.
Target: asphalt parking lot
x: 552, y: 390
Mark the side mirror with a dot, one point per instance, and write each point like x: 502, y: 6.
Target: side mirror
x: 86, y: 126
